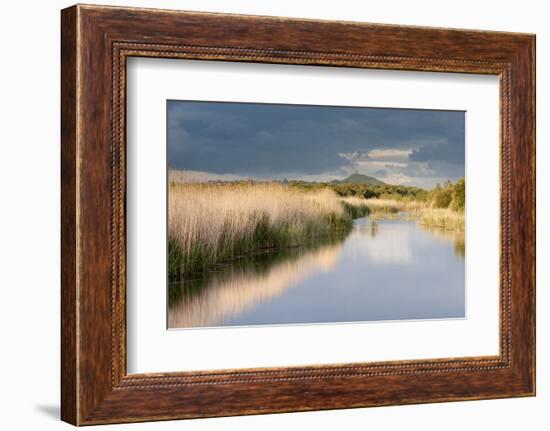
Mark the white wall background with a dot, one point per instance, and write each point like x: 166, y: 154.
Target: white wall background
x: 29, y: 214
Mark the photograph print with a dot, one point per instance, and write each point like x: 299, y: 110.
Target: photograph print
x: 283, y: 214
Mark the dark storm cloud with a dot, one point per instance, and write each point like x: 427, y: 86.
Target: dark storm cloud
x: 449, y: 150
x: 263, y: 140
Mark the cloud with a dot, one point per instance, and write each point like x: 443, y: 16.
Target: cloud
x: 355, y: 156
x: 293, y: 141
x: 452, y: 153
x: 390, y: 154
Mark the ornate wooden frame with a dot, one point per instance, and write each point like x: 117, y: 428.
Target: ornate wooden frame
x: 95, y: 43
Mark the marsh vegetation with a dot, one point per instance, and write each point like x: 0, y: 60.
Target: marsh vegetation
x: 229, y: 239
x: 211, y: 223
x: 214, y: 223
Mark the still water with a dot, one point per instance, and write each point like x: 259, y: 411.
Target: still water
x: 383, y: 270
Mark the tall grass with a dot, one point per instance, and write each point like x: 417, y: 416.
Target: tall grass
x: 356, y: 207
x: 210, y: 223
x: 392, y: 206
x: 444, y: 218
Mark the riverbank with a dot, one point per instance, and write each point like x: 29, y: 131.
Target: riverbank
x: 213, y: 223
x: 423, y: 212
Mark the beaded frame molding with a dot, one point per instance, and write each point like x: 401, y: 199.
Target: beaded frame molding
x: 95, y: 43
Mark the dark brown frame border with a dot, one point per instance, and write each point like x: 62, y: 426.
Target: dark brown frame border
x: 95, y: 43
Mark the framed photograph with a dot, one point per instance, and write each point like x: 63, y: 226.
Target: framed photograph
x: 263, y: 214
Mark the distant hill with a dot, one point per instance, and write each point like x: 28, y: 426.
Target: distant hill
x: 360, y: 179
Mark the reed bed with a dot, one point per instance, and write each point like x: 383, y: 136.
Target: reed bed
x: 400, y: 215
x: 356, y: 207
x: 444, y: 218
x: 210, y: 223
x: 354, y: 200
x: 394, y: 206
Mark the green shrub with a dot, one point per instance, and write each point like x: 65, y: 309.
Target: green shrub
x: 443, y: 198
x: 459, y: 195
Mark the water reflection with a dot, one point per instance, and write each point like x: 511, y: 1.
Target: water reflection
x: 384, y: 270
x: 391, y: 245
x: 373, y: 229
x: 456, y: 237
x: 230, y: 291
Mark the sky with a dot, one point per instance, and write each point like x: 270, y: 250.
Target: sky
x: 219, y: 140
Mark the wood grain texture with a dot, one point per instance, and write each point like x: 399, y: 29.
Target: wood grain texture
x: 96, y: 41
x: 69, y: 397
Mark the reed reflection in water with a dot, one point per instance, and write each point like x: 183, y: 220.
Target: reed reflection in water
x: 454, y: 236
x: 383, y: 270
x: 239, y: 287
